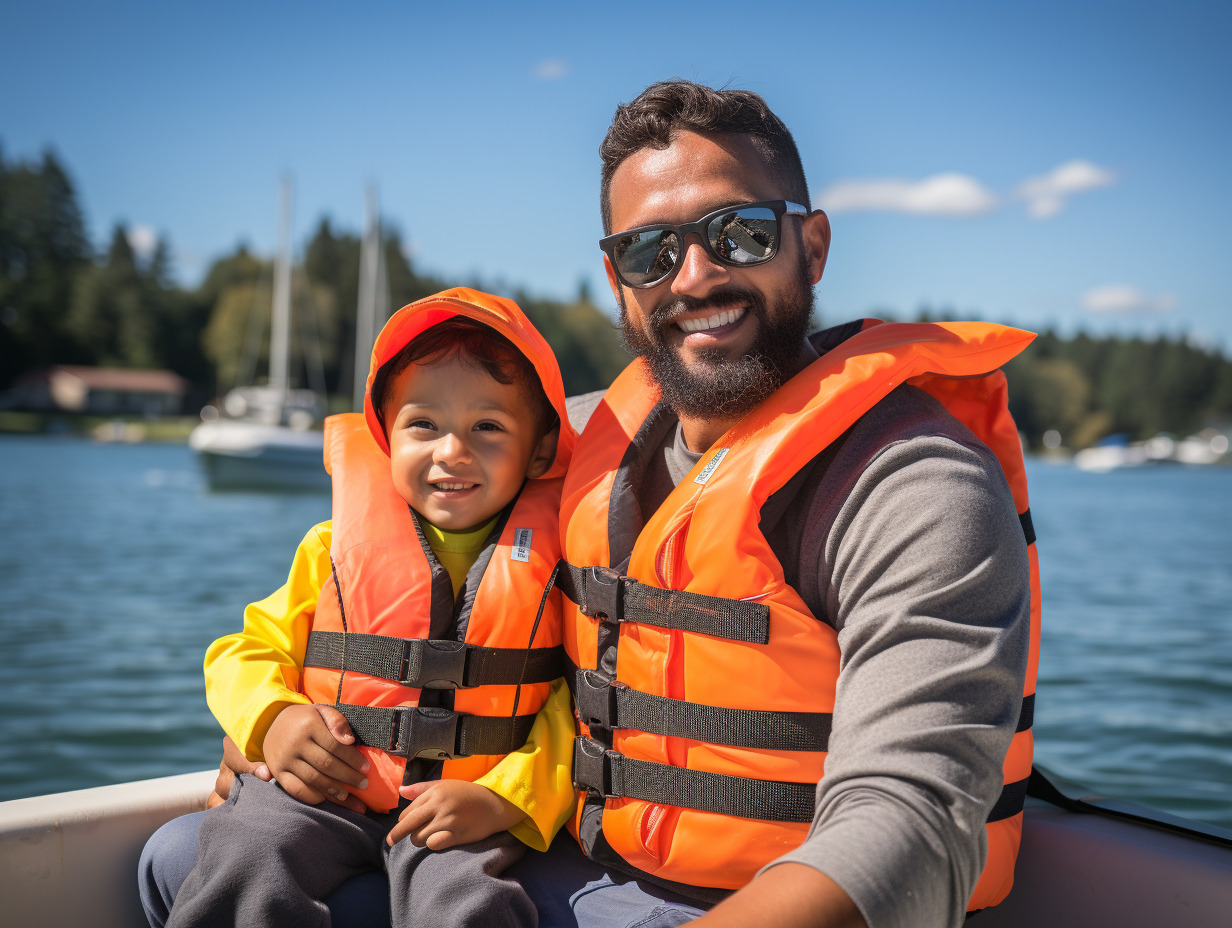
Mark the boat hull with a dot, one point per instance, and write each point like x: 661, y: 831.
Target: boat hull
x: 242, y: 455
x: 71, y: 859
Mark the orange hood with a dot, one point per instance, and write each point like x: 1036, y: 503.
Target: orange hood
x: 507, y: 318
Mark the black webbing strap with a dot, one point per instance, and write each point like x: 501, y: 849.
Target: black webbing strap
x: 1026, y: 716
x: 429, y: 731
x: 602, y: 592
x: 1010, y: 802
x: 1028, y: 527
x: 613, y: 775
x: 601, y: 704
x: 431, y: 664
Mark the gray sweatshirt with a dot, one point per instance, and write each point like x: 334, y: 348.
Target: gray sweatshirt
x: 903, y: 536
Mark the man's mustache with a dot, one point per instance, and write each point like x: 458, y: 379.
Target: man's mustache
x: 717, y: 301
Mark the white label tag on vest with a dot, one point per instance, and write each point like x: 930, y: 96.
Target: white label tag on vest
x: 521, y: 545
x: 709, y: 468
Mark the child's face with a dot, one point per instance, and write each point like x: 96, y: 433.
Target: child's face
x: 460, y: 442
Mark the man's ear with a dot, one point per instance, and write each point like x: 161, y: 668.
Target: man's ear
x: 815, y: 230
x: 544, y: 454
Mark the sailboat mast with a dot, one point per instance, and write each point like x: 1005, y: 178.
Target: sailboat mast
x: 280, y: 328
x: 370, y: 288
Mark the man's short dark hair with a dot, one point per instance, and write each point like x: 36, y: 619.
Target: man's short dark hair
x: 667, y: 107
x: 484, y: 347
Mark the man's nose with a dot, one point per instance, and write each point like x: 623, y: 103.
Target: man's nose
x: 699, y: 272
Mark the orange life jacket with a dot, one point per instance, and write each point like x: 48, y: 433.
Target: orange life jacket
x: 383, y: 633
x: 705, y: 686
x: 416, y: 671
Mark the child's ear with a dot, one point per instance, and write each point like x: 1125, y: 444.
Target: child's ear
x: 544, y: 454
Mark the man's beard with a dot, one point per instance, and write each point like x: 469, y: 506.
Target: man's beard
x: 717, y: 386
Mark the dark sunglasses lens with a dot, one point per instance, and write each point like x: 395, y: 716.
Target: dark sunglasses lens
x: 646, y: 257
x: 744, y: 236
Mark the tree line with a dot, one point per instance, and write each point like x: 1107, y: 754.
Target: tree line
x: 63, y: 302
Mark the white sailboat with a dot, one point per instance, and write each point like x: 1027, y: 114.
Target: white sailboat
x: 269, y: 437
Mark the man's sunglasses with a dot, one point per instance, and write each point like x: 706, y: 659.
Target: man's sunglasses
x: 738, y: 235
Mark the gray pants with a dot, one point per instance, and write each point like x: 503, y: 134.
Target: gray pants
x: 266, y: 859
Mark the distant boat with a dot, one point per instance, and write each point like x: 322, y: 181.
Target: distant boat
x: 1208, y: 447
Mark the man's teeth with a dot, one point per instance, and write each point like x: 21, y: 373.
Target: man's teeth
x: 441, y: 485
x: 727, y: 317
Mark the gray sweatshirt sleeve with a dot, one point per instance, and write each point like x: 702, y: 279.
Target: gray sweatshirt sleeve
x: 919, y: 558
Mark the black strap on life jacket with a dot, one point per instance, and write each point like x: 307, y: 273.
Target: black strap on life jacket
x: 1028, y: 527
x: 608, y: 705
x: 429, y: 663
x: 612, y: 775
x: 604, y: 593
x: 435, y: 733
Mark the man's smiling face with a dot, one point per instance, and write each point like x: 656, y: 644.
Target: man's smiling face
x: 719, y: 339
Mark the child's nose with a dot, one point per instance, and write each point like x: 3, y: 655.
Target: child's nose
x: 451, y: 447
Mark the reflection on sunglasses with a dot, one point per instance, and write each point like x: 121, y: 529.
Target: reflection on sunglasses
x: 739, y: 235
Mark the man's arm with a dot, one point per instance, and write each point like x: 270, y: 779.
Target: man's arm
x: 918, y: 558
x: 787, y: 896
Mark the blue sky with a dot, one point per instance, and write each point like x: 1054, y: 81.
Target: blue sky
x: 1040, y: 164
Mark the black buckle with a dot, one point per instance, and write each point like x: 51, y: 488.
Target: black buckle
x: 425, y: 731
x: 602, y: 590
x: 595, y: 697
x: 433, y: 665
x: 592, y: 767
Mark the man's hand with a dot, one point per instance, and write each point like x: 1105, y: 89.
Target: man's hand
x: 445, y: 813
x: 233, y: 764
x: 311, y: 752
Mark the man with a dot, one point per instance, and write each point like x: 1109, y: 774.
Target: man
x: 900, y: 564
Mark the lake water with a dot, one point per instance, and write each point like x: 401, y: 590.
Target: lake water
x: 118, y: 567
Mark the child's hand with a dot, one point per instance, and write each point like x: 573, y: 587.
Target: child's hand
x: 233, y: 764
x: 310, y: 750
x: 449, y: 812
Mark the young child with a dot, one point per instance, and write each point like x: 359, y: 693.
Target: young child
x: 410, y: 649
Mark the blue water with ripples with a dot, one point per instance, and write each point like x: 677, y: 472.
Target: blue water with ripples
x: 118, y: 567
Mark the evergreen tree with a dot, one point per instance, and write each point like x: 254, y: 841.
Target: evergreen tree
x: 43, y: 246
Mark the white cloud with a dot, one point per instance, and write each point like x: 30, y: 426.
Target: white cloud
x: 1122, y: 299
x: 551, y: 69
x: 143, y: 240
x: 940, y: 195
x: 1047, y: 195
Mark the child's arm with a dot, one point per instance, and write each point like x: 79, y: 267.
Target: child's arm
x: 252, y: 685
x: 530, y: 792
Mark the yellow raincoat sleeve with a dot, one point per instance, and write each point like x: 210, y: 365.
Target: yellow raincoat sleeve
x: 538, y: 777
x: 254, y: 674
